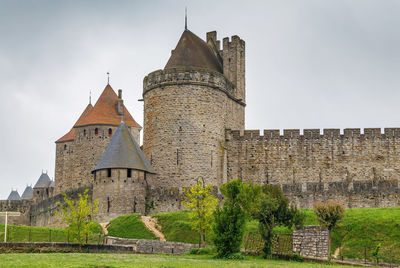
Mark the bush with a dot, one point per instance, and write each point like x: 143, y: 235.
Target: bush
x: 202, y: 251
x: 297, y: 257
x: 235, y: 256
x: 329, y: 213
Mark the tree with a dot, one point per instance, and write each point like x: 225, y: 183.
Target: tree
x: 229, y: 221
x: 274, y: 210
x: 78, y: 215
x: 201, y: 202
x: 328, y: 215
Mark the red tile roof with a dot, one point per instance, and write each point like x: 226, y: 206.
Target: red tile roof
x: 104, y: 112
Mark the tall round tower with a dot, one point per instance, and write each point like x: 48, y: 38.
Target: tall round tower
x: 187, y: 107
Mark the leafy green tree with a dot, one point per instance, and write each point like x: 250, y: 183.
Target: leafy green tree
x: 274, y: 209
x: 202, y: 203
x: 78, y: 215
x: 229, y: 221
x: 328, y: 214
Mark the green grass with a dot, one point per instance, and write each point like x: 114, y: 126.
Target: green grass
x: 175, y: 227
x: 69, y: 260
x: 129, y: 226
x: 361, y: 230
x: 17, y: 233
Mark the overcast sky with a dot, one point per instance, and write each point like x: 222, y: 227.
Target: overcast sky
x: 310, y: 64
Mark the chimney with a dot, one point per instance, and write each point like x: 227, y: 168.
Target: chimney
x: 120, y: 103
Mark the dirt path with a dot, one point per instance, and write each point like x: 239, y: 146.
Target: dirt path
x: 104, y: 226
x: 336, y: 253
x: 151, y: 224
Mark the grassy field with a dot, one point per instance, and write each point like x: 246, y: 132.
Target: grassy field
x: 69, y: 260
x: 129, y: 226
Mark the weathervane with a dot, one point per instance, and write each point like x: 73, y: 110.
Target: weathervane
x: 90, y: 97
x: 108, y: 78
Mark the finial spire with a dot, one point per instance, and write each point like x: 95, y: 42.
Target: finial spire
x: 185, y: 18
x: 90, y: 97
x: 108, y: 78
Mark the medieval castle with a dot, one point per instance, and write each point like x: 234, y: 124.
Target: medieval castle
x: 194, y: 127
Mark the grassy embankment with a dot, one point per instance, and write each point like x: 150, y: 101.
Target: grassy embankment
x: 359, y: 232
x: 68, y: 260
x: 16, y: 233
x: 129, y: 226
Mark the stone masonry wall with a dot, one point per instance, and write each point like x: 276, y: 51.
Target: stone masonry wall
x: 360, y: 170
x: 185, y: 115
x: 311, y: 241
x: 151, y: 246
x: 44, y: 212
x: 22, y: 206
x: 119, y: 194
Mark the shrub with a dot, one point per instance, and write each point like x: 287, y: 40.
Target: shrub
x: 329, y: 213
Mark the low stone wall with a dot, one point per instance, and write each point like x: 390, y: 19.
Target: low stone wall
x: 151, y: 246
x: 311, y: 241
x: 16, y: 247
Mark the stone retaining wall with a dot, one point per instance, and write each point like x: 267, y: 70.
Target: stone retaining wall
x: 311, y: 241
x: 151, y: 246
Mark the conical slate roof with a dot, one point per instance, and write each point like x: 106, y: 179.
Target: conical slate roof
x: 43, y: 181
x: 192, y: 51
x: 70, y: 135
x: 14, y: 195
x: 124, y: 152
x: 52, y: 184
x: 28, y: 193
x: 104, y: 111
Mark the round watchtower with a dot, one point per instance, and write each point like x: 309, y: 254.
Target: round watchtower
x: 187, y: 107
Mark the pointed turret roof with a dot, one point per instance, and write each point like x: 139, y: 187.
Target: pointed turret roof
x: 14, y: 195
x: 124, y: 152
x: 70, y: 135
x: 192, y: 51
x: 43, y: 181
x: 28, y: 193
x: 104, y: 111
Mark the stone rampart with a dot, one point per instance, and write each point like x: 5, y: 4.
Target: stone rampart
x: 190, y: 76
x: 151, y: 246
x: 311, y: 241
x: 358, y: 169
x: 44, y: 213
x: 22, y: 206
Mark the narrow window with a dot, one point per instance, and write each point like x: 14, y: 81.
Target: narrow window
x: 96, y: 131
x: 65, y: 147
x: 109, y: 131
x: 108, y: 204
x: 84, y: 132
x: 109, y: 172
x: 129, y: 173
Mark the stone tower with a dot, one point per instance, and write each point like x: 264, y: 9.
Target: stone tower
x: 120, y: 183
x: 187, y: 107
x: 78, y: 151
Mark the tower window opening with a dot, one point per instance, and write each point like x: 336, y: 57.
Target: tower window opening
x: 65, y: 147
x: 108, y: 204
x: 108, y: 172
x: 129, y: 173
x: 84, y: 132
x: 109, y: 131
x: 96, y: 131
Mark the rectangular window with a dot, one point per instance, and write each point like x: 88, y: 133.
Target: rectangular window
x: 129, y: 173
x: 109, y: 172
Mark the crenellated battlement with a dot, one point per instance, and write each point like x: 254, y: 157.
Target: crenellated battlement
x: 307, y: 134
x: 189, y: 76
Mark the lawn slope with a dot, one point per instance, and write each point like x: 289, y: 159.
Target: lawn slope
x: 129, y: 226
